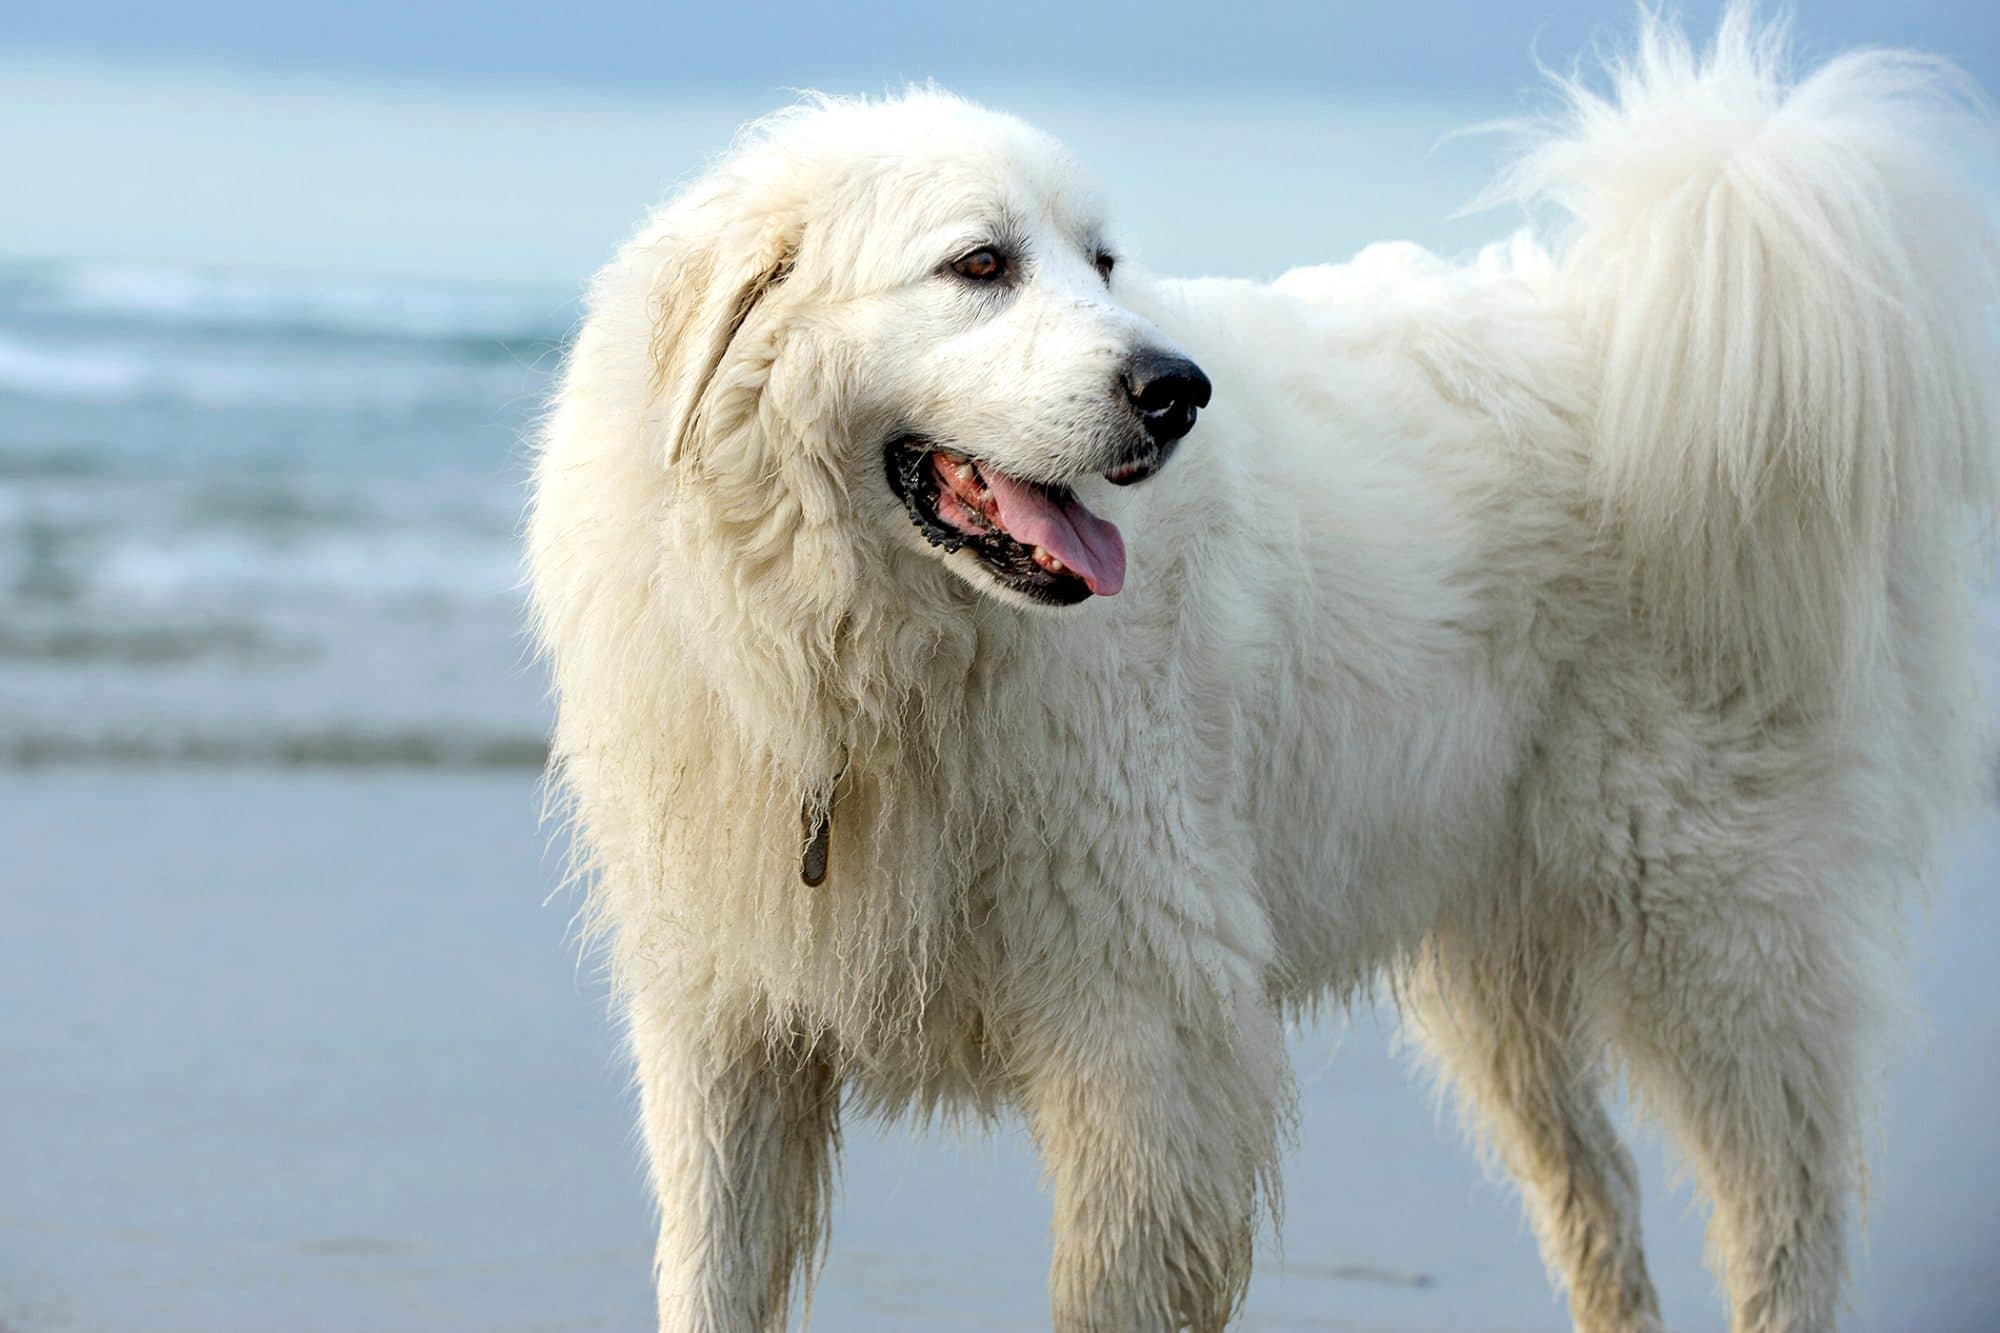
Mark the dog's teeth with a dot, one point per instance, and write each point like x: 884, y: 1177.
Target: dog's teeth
x: 1049, y: 562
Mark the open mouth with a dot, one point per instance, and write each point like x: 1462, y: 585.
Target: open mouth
x: 1036, y: 539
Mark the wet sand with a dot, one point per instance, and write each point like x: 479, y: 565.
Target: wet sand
x: 306, y: 1051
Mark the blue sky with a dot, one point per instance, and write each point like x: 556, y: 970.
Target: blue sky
x: 1459, y: 48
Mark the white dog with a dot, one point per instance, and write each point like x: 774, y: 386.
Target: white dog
x: 1578, y: 639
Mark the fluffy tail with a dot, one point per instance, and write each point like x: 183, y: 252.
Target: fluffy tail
x: 1791, y: 287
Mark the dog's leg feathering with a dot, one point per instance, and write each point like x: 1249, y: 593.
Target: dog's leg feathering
x: 1155, y: 1132
x: 1510, y: 1036
x: 1756, y: 1073
x: 742, y: 1134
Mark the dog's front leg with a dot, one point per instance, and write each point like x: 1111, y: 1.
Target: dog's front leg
x: 741, y: 1130
x: 1157, y: 1119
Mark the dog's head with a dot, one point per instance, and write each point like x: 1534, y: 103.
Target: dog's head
x: 897, y: 324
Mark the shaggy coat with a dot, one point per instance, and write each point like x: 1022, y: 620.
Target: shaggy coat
x: 1578, y: 638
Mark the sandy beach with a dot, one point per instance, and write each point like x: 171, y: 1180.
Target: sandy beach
x: 416, y: 1118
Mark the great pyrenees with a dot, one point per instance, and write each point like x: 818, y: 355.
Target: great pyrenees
x: 961, y: 709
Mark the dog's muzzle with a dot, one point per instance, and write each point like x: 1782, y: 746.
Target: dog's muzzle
x: 1165, y: 391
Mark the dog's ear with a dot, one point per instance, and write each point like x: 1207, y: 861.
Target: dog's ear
x: 706, y: 290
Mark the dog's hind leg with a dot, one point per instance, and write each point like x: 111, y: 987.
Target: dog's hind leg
x: 1741, y: 1028
x: 1508, y: 1031
x: 742, y: 1131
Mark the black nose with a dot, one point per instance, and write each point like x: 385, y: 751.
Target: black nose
x: 1165, y: 390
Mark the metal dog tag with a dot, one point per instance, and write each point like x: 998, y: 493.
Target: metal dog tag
x: 819, y: 844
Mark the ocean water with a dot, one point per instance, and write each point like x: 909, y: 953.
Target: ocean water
x: 254, y: 509
x: 255, y: 517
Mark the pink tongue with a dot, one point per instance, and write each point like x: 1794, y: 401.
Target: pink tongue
x: 1072, y: 534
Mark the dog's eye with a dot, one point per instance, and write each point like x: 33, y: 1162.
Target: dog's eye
x: 1105, y: 262
x: 982, y: 265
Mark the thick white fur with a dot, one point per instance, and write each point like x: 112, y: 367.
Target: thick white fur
x: 1578, y: 638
